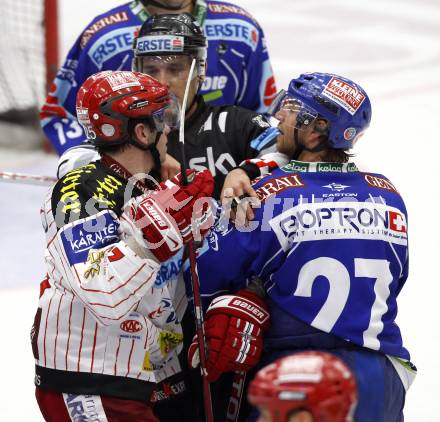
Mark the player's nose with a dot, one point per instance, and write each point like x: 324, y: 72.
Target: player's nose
x: 163, y: 77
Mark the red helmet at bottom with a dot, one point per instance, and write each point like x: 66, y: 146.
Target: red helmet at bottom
x: 317, y: 382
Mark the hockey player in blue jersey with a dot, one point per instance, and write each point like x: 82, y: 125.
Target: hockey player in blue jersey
x: 239, y: 70
x: 327, y: 251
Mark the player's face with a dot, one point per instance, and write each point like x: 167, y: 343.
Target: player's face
x: 309, y: 136
x: 286, y: 141
x: 162, y: 144
x: 171, y: 70
x: 265, y: 415
x: 300, y: 416
x: 296, y: 416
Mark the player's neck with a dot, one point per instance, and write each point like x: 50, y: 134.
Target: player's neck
x: 134, y: 160
x: 311, y: 157
x: 152, y: 10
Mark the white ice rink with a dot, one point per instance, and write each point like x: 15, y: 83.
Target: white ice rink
x: 392, y: 48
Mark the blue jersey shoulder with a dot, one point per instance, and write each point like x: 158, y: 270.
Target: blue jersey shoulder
x: 219, y: 9
x: 118, y: 17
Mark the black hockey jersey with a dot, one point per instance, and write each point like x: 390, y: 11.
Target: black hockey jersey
x: 219, y: 138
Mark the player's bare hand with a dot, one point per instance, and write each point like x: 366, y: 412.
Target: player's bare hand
x: 170, y: 167
x: 238, y: 195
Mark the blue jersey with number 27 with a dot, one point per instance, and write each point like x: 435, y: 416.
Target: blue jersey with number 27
x: 330, y: 244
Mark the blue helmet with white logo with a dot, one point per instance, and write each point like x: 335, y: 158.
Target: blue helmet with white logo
x: 340, y: 101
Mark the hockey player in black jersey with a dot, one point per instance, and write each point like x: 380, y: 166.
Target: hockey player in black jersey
x: 218, y: 138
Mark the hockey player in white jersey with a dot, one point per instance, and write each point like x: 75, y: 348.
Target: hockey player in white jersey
x: 107, y: 328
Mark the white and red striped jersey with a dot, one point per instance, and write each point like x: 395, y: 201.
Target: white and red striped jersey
x: 109, y: 314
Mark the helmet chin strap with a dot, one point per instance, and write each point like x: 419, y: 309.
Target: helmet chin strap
x: 165, y: 6
x: 153, y: 150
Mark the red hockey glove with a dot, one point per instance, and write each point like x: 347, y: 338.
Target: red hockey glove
x: 234, y: 328
x: 165, y: 216
x: 198, y: 191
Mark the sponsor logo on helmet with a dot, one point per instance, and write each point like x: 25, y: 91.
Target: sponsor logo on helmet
x: 83, y: 114
x: 346, y: 95
x: 84, y: 120
x: 232, y: 30
x: 159, y: 43
x: 120, y: 80
x: 131, y: 326
x: 349, y: 133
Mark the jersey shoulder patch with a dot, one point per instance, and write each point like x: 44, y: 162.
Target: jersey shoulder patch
x: 104, y: 22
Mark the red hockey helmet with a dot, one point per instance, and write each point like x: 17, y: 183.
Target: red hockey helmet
x: 314, y: 381
x: 108, y: 100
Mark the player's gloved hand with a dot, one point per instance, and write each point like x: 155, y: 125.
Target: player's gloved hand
x: 199, y: 190
x: 234, y: 328
x: 166, y: 216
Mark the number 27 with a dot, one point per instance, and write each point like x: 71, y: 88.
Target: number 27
x: 339, y: 287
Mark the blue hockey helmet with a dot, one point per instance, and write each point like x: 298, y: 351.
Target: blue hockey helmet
x: 340, y: 101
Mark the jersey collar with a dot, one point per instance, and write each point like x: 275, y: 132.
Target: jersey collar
x: 320, y: 167
x: 121, y: 171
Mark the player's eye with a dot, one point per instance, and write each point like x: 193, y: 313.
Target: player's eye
x: 176, y: 69
x: 150, y: 70
x: 321, y: 124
